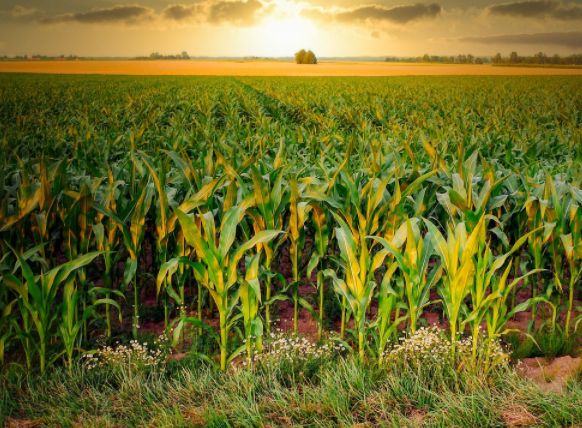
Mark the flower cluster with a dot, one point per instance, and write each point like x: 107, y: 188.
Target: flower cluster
x: 429, y: 348
x: 134, y: 356
x: 281, y: 347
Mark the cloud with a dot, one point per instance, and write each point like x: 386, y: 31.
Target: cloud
x: 397, y: 15
x: 569, y: 39
x: 121, y: 14
x: 537, y: 9
x: 20, y: 11
x: 216, y: 12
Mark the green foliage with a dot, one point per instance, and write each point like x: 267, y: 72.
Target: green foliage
x: 328, y: 390
x: 223, y: 196
x: 303, y: 57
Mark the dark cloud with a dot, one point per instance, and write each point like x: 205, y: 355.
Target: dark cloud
x: 538, y: 9
x: 240, y: 12
x: 236, y: 12
x: 182, y: 12
x: 19, y: 11
x: 121, y: 14
x: 215, y: 12
x: 570, y: 39
x: 396, y: 15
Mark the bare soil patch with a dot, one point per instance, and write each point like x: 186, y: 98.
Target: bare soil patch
x: 550, y: 376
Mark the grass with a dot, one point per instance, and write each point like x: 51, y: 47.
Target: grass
x: 328, y: 392
x: 543, y: 342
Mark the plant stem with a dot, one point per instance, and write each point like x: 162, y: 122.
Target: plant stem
x: 343, y: 325
x: 223, y: 340
x: 199, y: 308
x: 570, y: 299
x: 320, y: 285
x: 268, y: 306
x: 42, y: 355
x: 135, y: 304
x: 295, y: 306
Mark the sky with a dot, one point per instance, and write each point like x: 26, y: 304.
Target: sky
x: 279, y: 28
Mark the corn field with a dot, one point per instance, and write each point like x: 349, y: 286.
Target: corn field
x: 395, y: 197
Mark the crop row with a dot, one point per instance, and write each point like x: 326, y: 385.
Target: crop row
x: 385, y: 191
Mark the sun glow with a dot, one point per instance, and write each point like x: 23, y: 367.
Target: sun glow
x: 285, y: 36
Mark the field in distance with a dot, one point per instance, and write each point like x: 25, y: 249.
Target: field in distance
x: 268, y: 68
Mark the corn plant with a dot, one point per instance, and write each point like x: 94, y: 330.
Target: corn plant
x: 535, y: 207
x: 271, y: 202
x: 220, y: 263
x: 319, y: 256
x: 70, y: 326
x: 413, y: 263
x: 456, y: 253
x: 250, y: 297
x: 358, y: 286
x: 298, y: 211
x: 133, y: 235
x: 37, y: 299
x: 573, y: 252
x: 484, y: 304
x: 389, y: 301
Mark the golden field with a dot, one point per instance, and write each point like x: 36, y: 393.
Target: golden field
x: 268, y: 68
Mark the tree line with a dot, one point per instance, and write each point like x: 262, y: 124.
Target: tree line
x: 513, y: 58
x: 40, y: 57
x: 539, y: 58
x: 459, y: 59
x: 156, y: 55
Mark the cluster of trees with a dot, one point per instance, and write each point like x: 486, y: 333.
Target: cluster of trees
x: 156, y: 55
x: 539, y: 58
x: 513, y: 58
x: 459, y: 59
x: 39, y: 57
x: 252, y: 58
x: 303, y: 57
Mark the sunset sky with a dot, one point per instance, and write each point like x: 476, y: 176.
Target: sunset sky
x: 281, y: 27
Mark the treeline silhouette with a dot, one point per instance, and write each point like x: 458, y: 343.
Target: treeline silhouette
x: 539, y: 58
x: 459, y: 59
x: 156, y: 55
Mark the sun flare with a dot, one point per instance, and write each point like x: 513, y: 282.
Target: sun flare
x: 285, y: 36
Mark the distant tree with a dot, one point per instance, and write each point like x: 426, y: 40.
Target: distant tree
x: 513, y: 57
x: 478, y: 61
x: 300, y: 56
x: 185, y: 55
x: 426, y: 58
x: 310, y: 58
x: 497, y: 59
x: 540, y: 58
x: 470, y: 59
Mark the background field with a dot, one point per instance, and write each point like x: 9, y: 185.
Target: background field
x: 269, y: 68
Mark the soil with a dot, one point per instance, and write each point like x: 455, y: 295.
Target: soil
x: 550, y: 375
